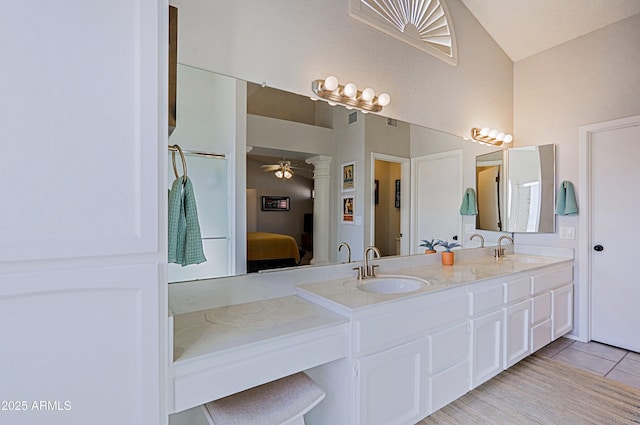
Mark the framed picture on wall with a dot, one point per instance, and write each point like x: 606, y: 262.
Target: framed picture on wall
x: 348, y: 207
x: 348, y: 176
x: 275, y: 203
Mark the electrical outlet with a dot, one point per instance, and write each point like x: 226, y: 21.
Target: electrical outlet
x: 567, y: 232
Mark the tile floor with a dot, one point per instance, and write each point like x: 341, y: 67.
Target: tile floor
x: 605, y: 360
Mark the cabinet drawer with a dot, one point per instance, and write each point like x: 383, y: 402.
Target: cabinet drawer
x: 448, y: 385
x: 541, y: 309
x: 485, y: 299
x: 448, y: 347
x: 517, y: 290
x: 550, y: 280
x: 540, y: 335
x: 385, y: 329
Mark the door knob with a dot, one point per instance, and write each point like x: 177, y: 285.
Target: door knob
x: 598, y: 248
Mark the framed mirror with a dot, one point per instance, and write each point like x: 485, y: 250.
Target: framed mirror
x: 516, y: 190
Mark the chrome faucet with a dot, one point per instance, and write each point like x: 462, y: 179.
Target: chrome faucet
x: 368, y: 270
x: 481, y: 239
x: 346, y: 245
x: 500, y: 250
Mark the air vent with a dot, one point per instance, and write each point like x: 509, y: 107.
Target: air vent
x: 391, y: 122
x: 353, y: 117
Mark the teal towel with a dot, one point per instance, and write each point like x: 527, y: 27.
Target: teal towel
x: 185, y: 240
x: 566, y: 203
x: 469, y: 206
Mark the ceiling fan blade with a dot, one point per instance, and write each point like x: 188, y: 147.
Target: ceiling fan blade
x: 270, y: 167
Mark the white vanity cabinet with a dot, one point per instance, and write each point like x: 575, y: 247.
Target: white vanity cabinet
x: 517, y: 320
x: 486, y: 324
x: 556, y: 284
x: 413, y: 355
x: 389, y: 385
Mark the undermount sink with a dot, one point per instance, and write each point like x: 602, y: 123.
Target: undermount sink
x: 391, y: 285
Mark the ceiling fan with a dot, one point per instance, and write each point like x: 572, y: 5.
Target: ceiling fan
x: 283, y: 169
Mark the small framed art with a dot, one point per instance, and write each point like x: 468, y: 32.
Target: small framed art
x: 348, y: 207
x: 275, y: 203
x: 348, y: 176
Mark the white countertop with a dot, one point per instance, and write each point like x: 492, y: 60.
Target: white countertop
x: 218, y: 329
x: 344, y: 296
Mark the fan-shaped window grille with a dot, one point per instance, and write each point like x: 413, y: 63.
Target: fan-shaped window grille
x: 424, y: 24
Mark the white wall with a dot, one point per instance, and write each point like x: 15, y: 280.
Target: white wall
x: 591, y: 79
x: 289, y: 44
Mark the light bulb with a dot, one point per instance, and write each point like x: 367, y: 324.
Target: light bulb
x: 331, y: 83
x: 368, y: 94
x: 332, y: 103
x: 287, y: 174
x: 384, y: 99
x: 508, y: 138
x: 500, y: 137
x: 493, y: 134
x: 485, y: 131
x: 279, y: 174
x: 350, y: 90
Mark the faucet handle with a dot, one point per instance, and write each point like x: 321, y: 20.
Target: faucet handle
x: 360, y: 270
x: 372, y: 272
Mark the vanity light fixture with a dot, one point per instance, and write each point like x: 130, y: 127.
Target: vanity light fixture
x: 490, y: 137
x: 348, y: 95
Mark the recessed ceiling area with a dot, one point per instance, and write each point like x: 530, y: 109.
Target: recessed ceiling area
x: 526, y: 27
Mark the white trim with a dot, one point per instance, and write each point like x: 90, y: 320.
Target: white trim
x: 585, y: 133
x: 405, y: 209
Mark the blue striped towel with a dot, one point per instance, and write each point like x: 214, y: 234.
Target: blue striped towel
x: 185, y: 240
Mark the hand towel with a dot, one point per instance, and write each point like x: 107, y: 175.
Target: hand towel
x: 566, y: 203
x: 185, y: 240
x: 468, y: 206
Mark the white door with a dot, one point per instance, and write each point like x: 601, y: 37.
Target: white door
x: 615, y: 292
x: 436, y: 195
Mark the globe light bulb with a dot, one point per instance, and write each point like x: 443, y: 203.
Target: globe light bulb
x: 331, y: 83
x: 493, y: 134
x: 485, y: 131
x: 350, y: 90
x: 368, y: 94
x: 384, y: 99
x: 500, y: 137
x: 508, y: 138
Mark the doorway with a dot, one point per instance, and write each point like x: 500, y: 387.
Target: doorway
x: 608, y: 290
x: 437, y: 189
x: 389, y: 214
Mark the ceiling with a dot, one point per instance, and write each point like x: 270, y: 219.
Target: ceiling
x: 526, y: 27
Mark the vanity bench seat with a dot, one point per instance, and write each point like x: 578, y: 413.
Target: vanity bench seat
x: 225, y: 350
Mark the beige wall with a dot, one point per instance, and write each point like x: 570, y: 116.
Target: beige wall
x: 288, y: 44
x: 591, y: 79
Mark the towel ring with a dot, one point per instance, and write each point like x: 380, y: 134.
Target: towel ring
x: 175, y: 148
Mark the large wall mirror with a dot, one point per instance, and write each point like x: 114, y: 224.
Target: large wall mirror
x: 217, y: 114
x: 516, y: 190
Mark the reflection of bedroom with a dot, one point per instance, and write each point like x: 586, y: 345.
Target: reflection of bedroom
x: 277, y: 238
x: 269, y: 232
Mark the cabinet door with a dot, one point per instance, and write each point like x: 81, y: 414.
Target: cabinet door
x: 390, y: 385
x: 516, y: 343
x: 562, y: 310
x: 486, y: 347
